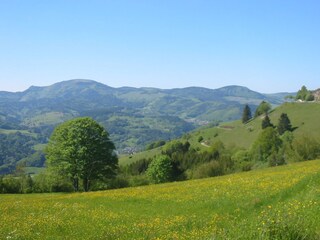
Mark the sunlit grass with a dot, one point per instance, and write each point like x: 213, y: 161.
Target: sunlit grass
x: 12, y: 131
x: 127, y: 159
x: 272, y: 203
x: 303, y: 116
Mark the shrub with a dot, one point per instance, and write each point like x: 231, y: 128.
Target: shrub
x: 241, y: 160
x: 307, y: 148
x: 140, y: 180
x: 160, y: 169
x: 10, y: 184
x: 210, y: 169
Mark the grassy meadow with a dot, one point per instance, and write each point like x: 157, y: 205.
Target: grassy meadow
x: 304, y: 118
x: 274, y: 203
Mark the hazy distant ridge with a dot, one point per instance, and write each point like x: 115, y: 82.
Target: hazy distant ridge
x: 133, y: 116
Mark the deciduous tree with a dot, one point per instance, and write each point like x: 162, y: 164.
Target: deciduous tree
x: 267, y: 143
x: 81, y: 150
x: 263, y: 108
x: 304, y: 94
x: 160, y: 169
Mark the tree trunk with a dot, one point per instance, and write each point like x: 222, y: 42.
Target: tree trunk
x: 76, y: 184
x: 86, y: 184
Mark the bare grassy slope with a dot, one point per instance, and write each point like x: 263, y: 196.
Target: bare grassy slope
x: 304, y: 118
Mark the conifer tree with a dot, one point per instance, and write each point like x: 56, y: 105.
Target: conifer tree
x: 266, y: 122
x: 284, y: 124
x: 246, y: 115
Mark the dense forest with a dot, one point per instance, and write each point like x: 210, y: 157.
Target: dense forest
x: 15, y: 146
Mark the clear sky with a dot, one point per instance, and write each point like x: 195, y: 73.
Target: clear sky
x: 266, y: 45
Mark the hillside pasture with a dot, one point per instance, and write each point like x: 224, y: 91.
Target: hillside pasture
x: 304, y: 118
x: 274, y: 203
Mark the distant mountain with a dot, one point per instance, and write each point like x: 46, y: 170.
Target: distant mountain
x: 132, y: 116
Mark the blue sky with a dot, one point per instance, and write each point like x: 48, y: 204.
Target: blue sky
x: 268, y: 46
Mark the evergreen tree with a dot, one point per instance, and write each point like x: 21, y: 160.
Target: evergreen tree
x: 266, y: 122
x: 246, y: 115
x: 284, y: 124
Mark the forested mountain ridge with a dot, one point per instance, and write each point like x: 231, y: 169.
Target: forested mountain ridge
x: 82, y: 95
x: 43, y: 106
x: 132, y: 116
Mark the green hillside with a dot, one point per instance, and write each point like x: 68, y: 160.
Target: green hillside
x: 274, y: 203
x: 134, y: 117
x: 304, y: 118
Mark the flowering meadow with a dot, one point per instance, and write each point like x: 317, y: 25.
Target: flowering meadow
x: 274, y: 203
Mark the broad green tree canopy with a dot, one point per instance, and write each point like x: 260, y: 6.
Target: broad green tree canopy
x: 160, y: 169
x: 304, y: 94
x: 81, y: 150
x: 268, y: 142
x: 263, y: 108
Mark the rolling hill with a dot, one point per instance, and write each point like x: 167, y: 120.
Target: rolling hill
x: 132, y: 116
x: 78, y: 97
x: 303, y: 116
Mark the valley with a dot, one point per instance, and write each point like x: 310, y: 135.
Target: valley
x: 134, y: 117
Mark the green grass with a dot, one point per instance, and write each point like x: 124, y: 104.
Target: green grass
x: 34, y: 170
x: 47, y: 119
x: 12, y: 131
x: 125, y: 159
x: 39, y: 147
x: 304, y: 118
x: 273, y: 203
x: 233, y: 133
